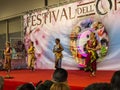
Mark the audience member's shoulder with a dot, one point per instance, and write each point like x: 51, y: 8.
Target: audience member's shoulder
x: 98, y: 86
x: 26, y: 86
x: 44, y: 85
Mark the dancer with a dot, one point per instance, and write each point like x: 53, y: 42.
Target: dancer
x: 31, y: 56
x: 58, y: 53
x: 92, y: 46
x: 7, y: 55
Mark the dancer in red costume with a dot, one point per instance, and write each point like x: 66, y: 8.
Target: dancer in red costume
x: 92, y: 46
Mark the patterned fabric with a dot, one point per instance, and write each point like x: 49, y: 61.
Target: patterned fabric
x: 92, y: 56
x: 58, y: 51
x: 7, y: 64
x: 7, y: 53
x: 58, y: 55
x: 31, y: 57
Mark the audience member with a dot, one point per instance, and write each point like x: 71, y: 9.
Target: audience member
x: 60, y: 75
x: 115, y: 81
x: 27, y: 86
x: 1, y: 83
x: 60, y: 80
x: 98, y: 86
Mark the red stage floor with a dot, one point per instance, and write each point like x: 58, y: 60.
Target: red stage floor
x: 77, y: 79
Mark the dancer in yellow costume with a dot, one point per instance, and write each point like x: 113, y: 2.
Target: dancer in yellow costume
x: 57, y: 50
x: 7, y: 55
x: 31, y: 56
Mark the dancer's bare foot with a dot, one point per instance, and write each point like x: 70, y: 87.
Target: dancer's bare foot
x: 92, y: 74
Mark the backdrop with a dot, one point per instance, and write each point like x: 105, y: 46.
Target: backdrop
x: 73, y: 23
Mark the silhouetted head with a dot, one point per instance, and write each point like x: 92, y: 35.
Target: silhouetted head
x: 60, y: 75
x: 115, y: 80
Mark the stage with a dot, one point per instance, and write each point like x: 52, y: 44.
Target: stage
x: 77, y: 79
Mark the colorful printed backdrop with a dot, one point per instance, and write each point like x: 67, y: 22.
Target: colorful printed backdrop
x: 75, y: 21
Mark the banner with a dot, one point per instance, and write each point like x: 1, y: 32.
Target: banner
x: 72, y: 24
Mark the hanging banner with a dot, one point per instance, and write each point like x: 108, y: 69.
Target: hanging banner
x: 73, y: 24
